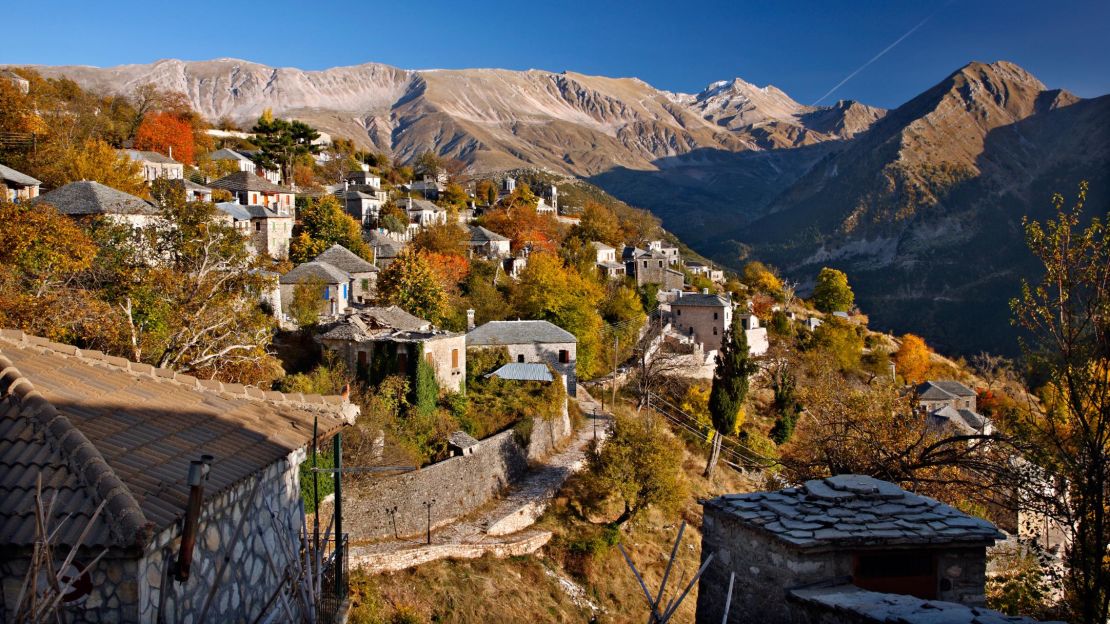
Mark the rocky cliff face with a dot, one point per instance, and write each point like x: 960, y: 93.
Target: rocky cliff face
x: 494, y: 119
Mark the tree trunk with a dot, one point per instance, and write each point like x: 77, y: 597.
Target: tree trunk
x: 714, y: 454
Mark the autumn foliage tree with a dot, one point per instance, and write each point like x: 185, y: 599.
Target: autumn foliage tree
x: 411, y: 283
x: 832, y: 292
x: 321, y: 224
x: 912, y: 359
x: 96, y: 161
x: 167, y: 134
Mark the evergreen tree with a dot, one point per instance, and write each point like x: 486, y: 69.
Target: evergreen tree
x: 730, y: 387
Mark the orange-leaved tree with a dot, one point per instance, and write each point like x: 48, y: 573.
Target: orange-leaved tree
x: 165, y: 133
x: 912, y: 359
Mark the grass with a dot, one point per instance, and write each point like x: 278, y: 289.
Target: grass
x: 527, y: 589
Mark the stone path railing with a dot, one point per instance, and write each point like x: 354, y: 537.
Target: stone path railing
x: 502, y: 529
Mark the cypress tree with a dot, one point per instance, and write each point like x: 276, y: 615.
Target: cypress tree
x: 730, y: 386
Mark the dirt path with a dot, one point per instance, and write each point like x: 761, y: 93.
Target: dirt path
x: 502, y: 528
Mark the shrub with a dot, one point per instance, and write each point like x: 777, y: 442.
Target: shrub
x: 326, y: 483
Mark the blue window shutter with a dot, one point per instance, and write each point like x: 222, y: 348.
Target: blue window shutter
x: 325, y: 293
x: 344, y: 291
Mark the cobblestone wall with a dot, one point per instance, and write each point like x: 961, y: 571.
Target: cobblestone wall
x: 113, y: 596
x: 249, y: 581
x: 457, y: 486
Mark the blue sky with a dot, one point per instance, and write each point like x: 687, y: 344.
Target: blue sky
x: 803, y: 47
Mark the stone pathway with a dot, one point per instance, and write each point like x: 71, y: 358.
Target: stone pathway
x: 502, y: 528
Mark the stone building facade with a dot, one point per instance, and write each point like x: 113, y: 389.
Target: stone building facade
x: 531, y: 342
x: 103, y: 430
x: 841, y: 532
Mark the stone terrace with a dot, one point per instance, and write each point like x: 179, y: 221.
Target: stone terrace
x: 854, y: 510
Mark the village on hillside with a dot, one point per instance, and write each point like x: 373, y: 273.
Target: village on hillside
x: 257, y: 374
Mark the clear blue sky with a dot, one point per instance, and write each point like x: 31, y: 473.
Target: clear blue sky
x: 803, y: 47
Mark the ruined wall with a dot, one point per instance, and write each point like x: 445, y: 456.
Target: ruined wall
x: 248, y: 582
x: 457, y: 486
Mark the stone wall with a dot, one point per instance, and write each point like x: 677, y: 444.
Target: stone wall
x: 457, y: 486
x: 248, y: 582
x: 113, y: 597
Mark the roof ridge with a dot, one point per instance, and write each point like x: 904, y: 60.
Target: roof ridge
x: 336, y: 405
x: 80, y: 455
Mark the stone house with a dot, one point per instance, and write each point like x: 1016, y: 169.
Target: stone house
x: 103, y: 430
x: 606, y: 259
x: 386, y: 245
x: 241, y: 161
x: 252, y: 190
x: 428, y: 188
x: 17, y: 186
x: 668, y: 251
x: 19, y: 82
x: 706, y: 271
x: 652, y: 267
x: 797, y: 548
x: 268, y: 233
x: 334, y: 285
x: 515, y: 265
x: 194, y: 192
x: 156, y: 166
x: 364, y: 178
x: 949, y: 404
x: 538, y: 342
x: 603, y: 252
x: 362, y: 275
x: 93, y: 199
x: 488, y: 244
x: 380, y: 341
x: 705, y: 317
x: 362, y: 207
x: 423, y: 213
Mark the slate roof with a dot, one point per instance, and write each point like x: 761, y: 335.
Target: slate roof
x: 101, y: 428
x: 854, y: 511
x: 600, y: 246
x: 961, y: 419
x: 345, y: 260
x: 155, y: 157
x: 479, y: 235
x: 701, y: 300
x: 385, y: 246
x: 418, y: 205
x: 461, y: 439
x: 227, y: 154
x: 523, y: 371
x: 7, y: 174
x: 236, y: 210
x: 192, y: 186
x: 943, y: 390
x: 373, y: 323
x: 851, y: 604
x: 247, y: 181
x: 304, y: 273
x: 517, y: 332
x: 93, y: 198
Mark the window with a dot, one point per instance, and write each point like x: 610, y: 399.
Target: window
x: 645, y: 264
x: 714, y: 316
x: 362, y: 359
x: 912, y: 573
x: 366, y: 283
x: 520, y: 357
x: 454, y: 358
x: 660, y: 264
x: 326, y: 293
x: 714, y: 331
x: 678, y: 312
x: 564, y: 356
x: 257, y: 226
x: 344, y: 291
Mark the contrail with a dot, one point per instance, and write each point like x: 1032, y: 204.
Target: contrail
x: 879, y: 55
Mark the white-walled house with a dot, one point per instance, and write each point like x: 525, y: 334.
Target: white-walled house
x: 704, y: 318
x: 17, y: 186
x: 156, y: 166
x: 268, y: 232
x: 334, y: 287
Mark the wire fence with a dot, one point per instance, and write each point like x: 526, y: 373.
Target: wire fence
x: 733, y: 451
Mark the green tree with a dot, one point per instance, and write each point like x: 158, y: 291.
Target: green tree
x: 640, y: 465
x: 832, y: 292
x: 410, y: 282
x: 730, y: 387
x: 425, y: 392
x: 323, y: 223
x: 841, y: 341
x: 1067, y: 435
x: 283, y: 142
x: 307, y: 302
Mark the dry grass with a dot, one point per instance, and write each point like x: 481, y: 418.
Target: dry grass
x: 526, y: 589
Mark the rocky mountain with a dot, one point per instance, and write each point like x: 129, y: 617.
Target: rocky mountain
x: 922, y: 205
x: 496, y: 119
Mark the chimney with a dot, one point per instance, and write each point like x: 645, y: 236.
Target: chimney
x: 469, y: 320
x: 171, y: 152
x: 705, y: 291
x: 346, y: 394
x: 198, y: 474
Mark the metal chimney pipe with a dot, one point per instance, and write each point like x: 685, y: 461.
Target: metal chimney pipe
x: 198, y: 474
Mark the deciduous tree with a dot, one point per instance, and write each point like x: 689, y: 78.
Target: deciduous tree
x: 832, y: 292
x: 167, y: 134
x: 912, y: 359
x: 410, y: 283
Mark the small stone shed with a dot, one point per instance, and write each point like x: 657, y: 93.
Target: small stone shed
x: 101, y: 429
x: 848, y: 530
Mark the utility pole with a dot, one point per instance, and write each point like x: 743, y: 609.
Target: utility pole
x: 340, y: 544
x: 428, y: 506
x: 616, y: 346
